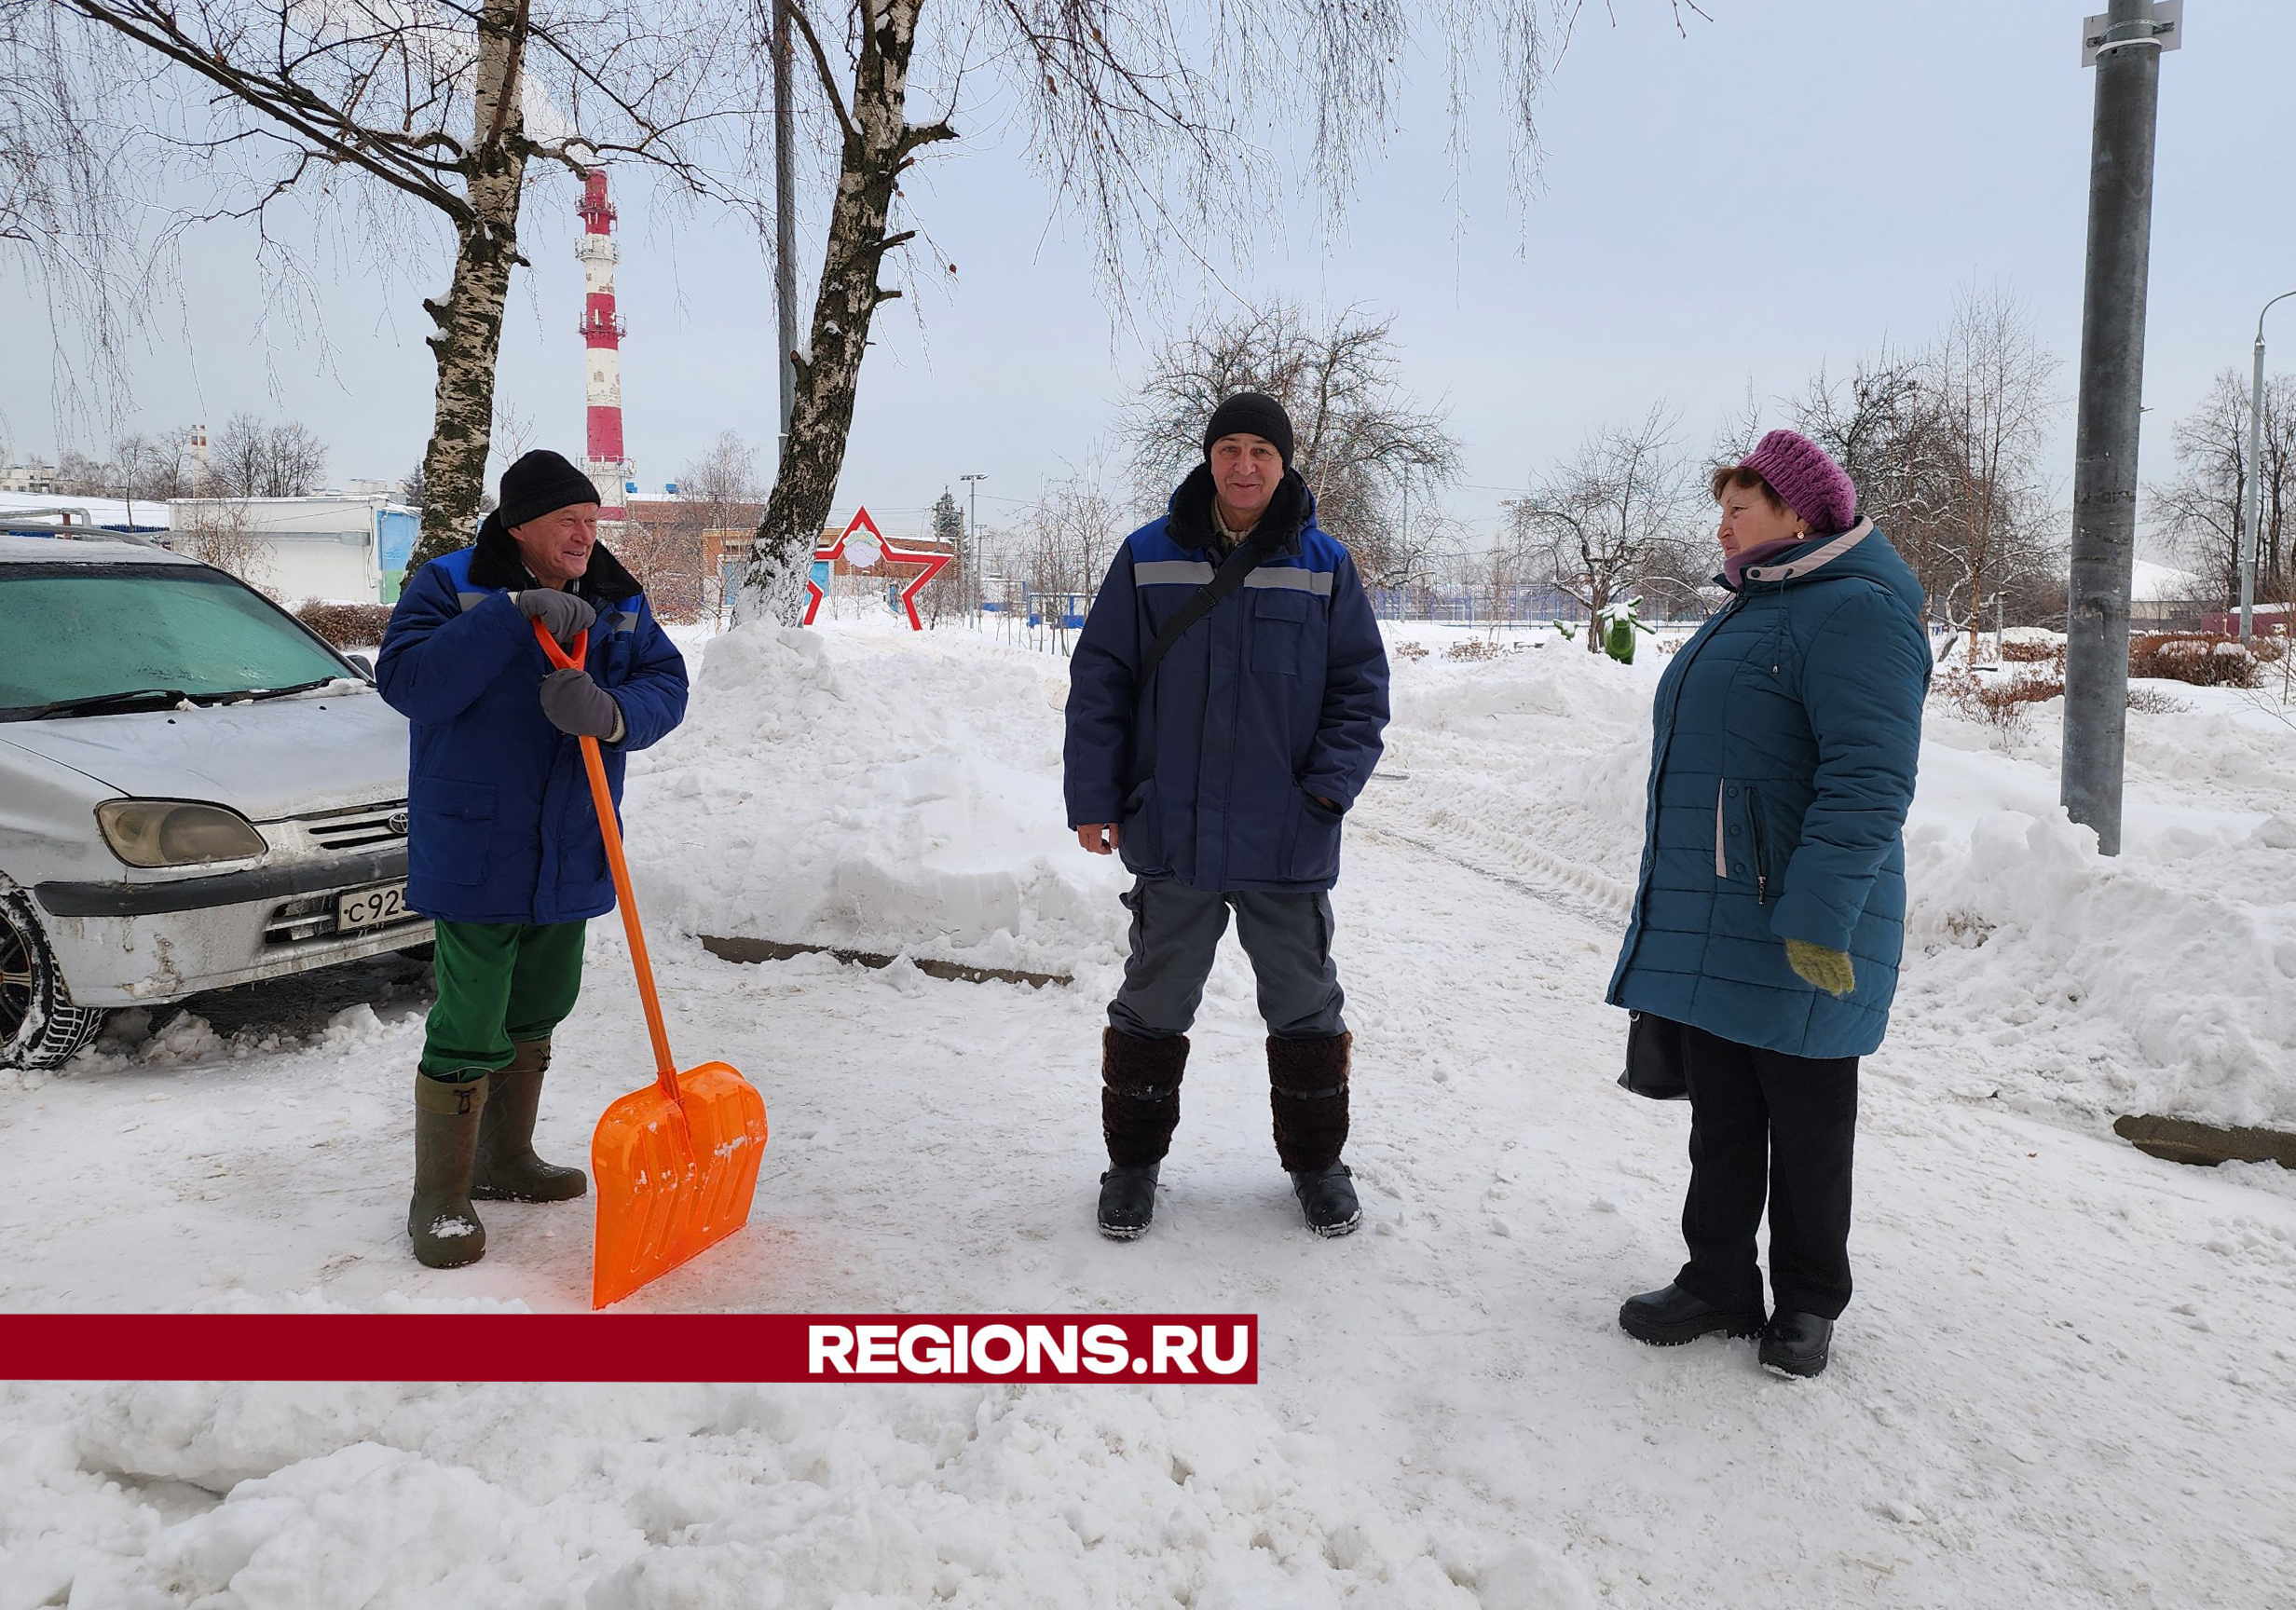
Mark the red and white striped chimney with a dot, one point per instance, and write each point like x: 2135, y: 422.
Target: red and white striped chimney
x: 602, y: 331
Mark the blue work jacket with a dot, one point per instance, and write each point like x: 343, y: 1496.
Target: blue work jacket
x: 1275, y: 698
x: 1784, y: 746
x: 501, y: 823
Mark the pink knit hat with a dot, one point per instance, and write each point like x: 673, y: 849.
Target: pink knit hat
x: 1810, y: 482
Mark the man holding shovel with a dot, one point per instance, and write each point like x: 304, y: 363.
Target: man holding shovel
x: 1224, y: 709
x: 504, y: 848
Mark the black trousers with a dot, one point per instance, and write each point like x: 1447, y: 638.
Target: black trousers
x: 1763, y: 1123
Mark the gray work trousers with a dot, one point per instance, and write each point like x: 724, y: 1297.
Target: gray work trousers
x: 1176, y: 932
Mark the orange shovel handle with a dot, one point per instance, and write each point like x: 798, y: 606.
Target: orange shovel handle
x: 666, y: 1068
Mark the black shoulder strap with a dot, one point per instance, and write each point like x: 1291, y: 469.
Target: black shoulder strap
x: 1240, y: 563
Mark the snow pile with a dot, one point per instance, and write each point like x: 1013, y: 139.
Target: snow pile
x: 2162, y: 980
x: 644, y: 1498
x: 861, y: 789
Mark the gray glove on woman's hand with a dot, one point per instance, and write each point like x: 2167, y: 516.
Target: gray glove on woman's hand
x: 577, y: 705
x: 564, y: 616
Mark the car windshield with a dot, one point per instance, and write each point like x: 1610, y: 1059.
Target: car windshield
x: 78, y: 633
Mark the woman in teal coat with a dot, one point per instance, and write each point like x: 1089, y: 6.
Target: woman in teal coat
x: 1771, y: 913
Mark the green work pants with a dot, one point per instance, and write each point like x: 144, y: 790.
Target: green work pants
x: 499, y: 982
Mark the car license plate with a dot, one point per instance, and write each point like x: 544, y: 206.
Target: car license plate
x: 369, y: 907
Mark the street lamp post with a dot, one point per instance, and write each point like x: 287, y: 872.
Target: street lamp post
x: 2250, y: 516
x: 972, y: 545
x: 2126, y: 56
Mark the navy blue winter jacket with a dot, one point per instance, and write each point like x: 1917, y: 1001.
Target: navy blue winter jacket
x: 1782, y: 764
x: 501, y: 827
x: 1278, y: 695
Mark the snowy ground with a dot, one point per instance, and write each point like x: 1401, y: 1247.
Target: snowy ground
x: 2069, y: 1378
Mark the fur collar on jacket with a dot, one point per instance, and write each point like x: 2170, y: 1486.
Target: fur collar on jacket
x: 1288, y: 512
x: 496, y: 562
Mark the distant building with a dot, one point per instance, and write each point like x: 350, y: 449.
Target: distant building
x: 343, y: 548
x: 112, y: 513
x: 29, y: 478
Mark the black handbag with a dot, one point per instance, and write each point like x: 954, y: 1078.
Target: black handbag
x: 1654, y: 1058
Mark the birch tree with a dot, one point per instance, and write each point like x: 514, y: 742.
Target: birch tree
x: 387, y: 108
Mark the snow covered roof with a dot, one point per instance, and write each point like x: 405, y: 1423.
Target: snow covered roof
x: 143, y: 516
x: 2159, y: 583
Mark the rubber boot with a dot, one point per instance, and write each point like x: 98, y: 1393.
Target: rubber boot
x: 507, y: 1169
x: 443, y: 1225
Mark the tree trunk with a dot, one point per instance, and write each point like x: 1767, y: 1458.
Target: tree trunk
x: 879, y: 145
x: 469, y: 335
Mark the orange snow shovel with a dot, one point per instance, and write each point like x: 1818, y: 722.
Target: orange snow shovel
x: 676, y: 1163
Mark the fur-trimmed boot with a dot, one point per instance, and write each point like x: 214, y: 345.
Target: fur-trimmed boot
x: 507, y: 1169
x: 439, y: 1219
x: 1140, y: 1108
x: 1307, y: 1090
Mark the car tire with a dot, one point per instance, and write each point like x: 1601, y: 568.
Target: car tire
x: 39, y: 1027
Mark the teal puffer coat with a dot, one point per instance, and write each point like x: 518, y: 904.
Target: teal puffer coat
x: 1781, y: 763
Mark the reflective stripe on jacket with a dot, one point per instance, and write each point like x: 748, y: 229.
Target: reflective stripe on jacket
x: 1276, y: 697
x: 501, y: 823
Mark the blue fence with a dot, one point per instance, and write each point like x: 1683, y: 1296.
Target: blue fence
x: 1475, y: 606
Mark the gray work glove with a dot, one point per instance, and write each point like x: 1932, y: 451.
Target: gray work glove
x: 577, y: 705
x: 564, y: 616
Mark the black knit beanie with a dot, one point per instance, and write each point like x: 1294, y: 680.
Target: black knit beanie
x: 542, y: 483
x: 1250, y: 414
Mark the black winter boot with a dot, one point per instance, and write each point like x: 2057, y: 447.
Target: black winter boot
x: 1670, y: 1316
x: 445, y: 1227
x: 1308, y: 1089
x: 1140, y: 1096
x: 507, y: 1169
x: 1327, y: 1197
x: 1127, y: 1202
x: 1797, y: 1343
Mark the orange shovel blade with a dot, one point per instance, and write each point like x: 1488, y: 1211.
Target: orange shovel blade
x: 673, y: 1178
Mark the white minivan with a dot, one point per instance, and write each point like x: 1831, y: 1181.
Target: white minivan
x: 196, y: 791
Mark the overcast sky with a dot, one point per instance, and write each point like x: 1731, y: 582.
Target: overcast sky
x: 1786, y: 186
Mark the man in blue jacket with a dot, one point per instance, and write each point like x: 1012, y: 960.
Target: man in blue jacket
x: 1219, y: 759
x: 504, y: 848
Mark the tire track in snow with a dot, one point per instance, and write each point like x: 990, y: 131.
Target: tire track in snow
x: 1555, y: 891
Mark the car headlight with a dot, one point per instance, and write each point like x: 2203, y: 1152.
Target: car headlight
x: 176, y: 832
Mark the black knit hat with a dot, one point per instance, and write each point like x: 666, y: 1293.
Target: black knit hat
x: 542, y: 483
x: 1250, y: 414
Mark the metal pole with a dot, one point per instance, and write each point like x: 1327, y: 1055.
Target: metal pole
x: 2104, y: 483
x: 2252, y: 512
x: 972, y: 533
x: 785, y: 218
x: 2254, y: 490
